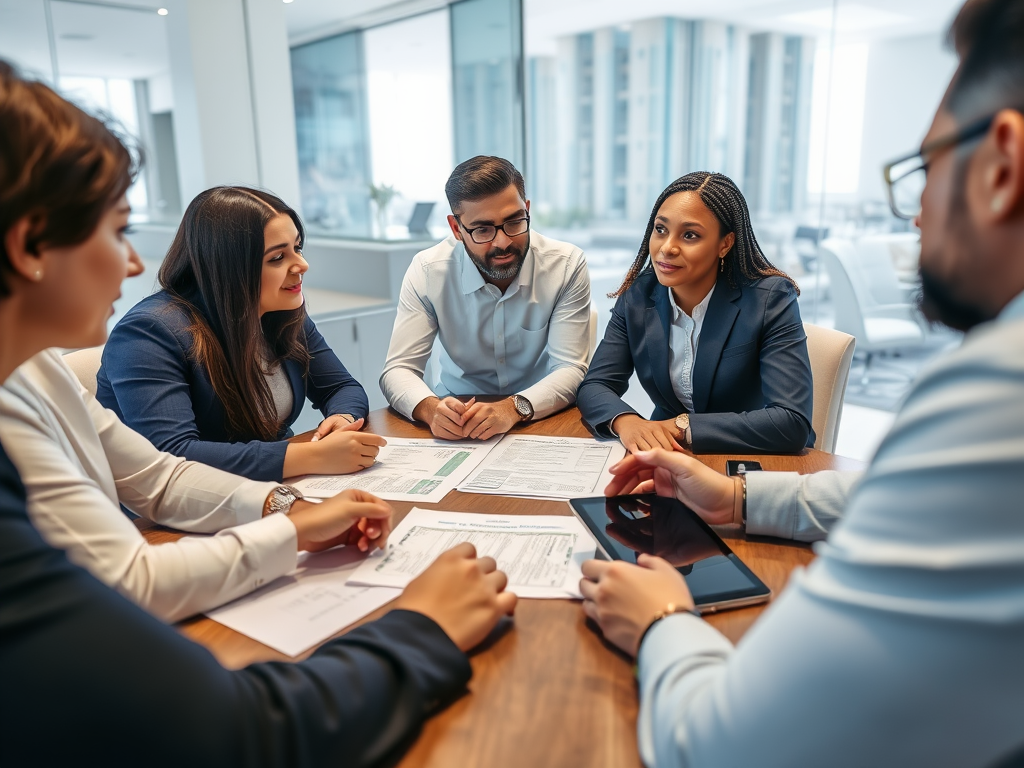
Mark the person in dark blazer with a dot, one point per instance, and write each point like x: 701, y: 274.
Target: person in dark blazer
x: 219, y: 364
x: 712, y: 330
x: 75, y: 656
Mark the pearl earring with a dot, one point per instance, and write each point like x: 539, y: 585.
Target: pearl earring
x: 997, y: 205
x: 39, y: 274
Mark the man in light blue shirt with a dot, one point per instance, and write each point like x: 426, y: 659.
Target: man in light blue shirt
x: 901, y: 645
x: 511, y: 309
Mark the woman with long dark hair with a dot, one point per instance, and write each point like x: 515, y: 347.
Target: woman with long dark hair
x: 219, y: 364
x: 76, y: 656
x: 712, y: 330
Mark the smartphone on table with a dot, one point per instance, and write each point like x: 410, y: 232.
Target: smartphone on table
x: 737, y: 467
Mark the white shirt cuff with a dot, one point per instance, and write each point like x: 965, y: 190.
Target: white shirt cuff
x: 771, y: 503
x: 270, y: 545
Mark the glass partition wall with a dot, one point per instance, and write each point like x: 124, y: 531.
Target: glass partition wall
x: 800, y: 107
x: 385, y: 113
x: 332, y: 133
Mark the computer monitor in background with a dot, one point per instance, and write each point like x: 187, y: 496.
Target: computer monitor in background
x: 420, y: 217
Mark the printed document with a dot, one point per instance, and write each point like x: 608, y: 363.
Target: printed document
x: 545, y: 467
x: 407, y: 469
x: 309, y: 605
x: 541, y: 554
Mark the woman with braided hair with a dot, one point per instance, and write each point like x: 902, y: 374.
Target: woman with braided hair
x: 713, y: 331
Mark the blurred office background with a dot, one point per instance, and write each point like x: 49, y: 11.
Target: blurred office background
x: 355, y: 112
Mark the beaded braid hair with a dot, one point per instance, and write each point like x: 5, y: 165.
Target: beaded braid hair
x: 724, y: 199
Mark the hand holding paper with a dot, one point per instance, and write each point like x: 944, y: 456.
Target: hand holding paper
x: 464, y: 594
x: 352, y: 517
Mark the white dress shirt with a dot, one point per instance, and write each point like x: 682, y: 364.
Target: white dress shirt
x: 684, y: 335
x: 533, y: 340
x: 902, y: 643
x: 79, y: 463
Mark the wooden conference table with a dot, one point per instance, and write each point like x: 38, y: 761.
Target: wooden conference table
x: 546, y: 691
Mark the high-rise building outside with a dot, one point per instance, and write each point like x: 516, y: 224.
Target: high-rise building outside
x: 620, y: 112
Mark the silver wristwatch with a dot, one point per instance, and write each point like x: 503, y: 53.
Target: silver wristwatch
x: 282, y: 498
x: 523, y: 407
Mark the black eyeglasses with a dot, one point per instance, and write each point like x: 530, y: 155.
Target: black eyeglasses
x: 487, y: 233
x: 905, y: 177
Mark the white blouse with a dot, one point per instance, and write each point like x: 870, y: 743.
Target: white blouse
x: 79, y: 463
x: 684, y: 335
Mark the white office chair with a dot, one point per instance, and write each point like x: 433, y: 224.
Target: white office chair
x: 831, y: 353
x: 866, y: 306
x: 85, y: 363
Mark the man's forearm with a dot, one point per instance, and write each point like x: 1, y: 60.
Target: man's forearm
x: 404, y: 389
x: 555, y: 391
x: 424, y: 411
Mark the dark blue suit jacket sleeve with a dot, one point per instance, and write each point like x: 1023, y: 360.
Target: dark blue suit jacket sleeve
x: 783, y: 425
x: 599, y: 397
x: 329, y: 386
x: 77, y: 659
x: 148, y: 373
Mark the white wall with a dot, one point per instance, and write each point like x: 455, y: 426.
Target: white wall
x: 905, y: 83
x: 234, y: 119
x: 161, y: 93
x: 274, y: 108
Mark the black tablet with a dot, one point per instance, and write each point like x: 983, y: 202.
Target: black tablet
x: 625, y: 526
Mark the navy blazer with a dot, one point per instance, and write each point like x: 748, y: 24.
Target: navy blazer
x: 150, y: 380
x: 752, y: 387
x: 76, y: 657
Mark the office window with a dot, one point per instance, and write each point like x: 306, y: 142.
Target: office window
x: 487, y: 87
x: 374, y: 127
x: 800, y: 108
x: 332, y: 133
x: 107, y: 60
x: 115, y: 98
x: 409, y: 86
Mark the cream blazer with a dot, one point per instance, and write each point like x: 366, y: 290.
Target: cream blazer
x: 79, y: 463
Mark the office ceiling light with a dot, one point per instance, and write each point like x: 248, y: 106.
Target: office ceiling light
x: 161, y: 11
x: 289, y: 1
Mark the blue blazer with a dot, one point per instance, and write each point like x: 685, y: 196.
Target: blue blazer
x: 752, y: 387
x: 150, y: 380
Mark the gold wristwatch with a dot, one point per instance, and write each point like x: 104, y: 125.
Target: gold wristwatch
x: 683, y: 425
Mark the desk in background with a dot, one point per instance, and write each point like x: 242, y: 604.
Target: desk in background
x: 550, y: 691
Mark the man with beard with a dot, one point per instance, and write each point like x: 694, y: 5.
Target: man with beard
x: 511, y: 309
x: 902, y: 643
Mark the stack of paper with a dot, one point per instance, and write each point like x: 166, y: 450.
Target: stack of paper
x: 541, y: 554
x: 545, y: 467
x: 297, y: 611
x: 407, y: 469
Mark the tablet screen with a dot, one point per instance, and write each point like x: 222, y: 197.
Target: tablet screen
x: 625, y: 526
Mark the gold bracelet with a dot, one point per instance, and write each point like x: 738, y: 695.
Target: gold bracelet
x: 668, y: 610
